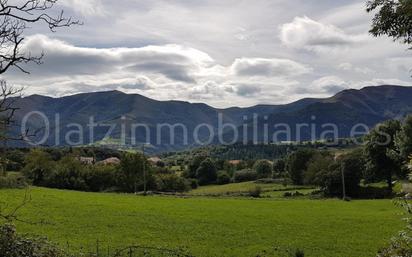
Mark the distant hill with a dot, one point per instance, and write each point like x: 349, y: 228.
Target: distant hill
x: 369, y: 105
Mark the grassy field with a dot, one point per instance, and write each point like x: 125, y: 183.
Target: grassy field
x: 210, y: 226
x: 273, y: 190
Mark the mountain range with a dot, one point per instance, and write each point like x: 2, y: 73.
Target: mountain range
x: 140, y: 118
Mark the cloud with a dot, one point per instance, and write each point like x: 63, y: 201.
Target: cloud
x: 328, y: 85
x: 268, y: 67
x: 399, y: 64
x: 85, y: 7
x: 166, y: 71
x: 305, y: 33
x: 351, y: 68
x: 174, y: 62
x: 247, y: 90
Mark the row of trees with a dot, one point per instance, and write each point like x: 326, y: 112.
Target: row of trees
x: 208, y: 171
x: 133, y: 174
x: 384, y: 156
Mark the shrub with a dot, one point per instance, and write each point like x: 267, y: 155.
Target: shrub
x: 297, y: 163
x: 263, y: 168
x: 69, y: 174
x: 194, y: 165
x: 255, y: 192
x: 134, y: 167
x: 317, y: 168
x: 172, y: 183
x: 39, y: 167
x: 14, y: 245
x: 101, y: 177
x: 244, y: 175
x: 279, y: 166
x: 400, y: 245
x: 331, y: 182
x: 223, y: 178
x: 13, y: 180
x: 193, y: 183
x: 206, y: 173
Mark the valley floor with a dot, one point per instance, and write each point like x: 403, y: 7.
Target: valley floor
x: 209, y: 226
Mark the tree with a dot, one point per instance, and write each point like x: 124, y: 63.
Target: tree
x: 206, y: 173
x: 393, y: 18
x: 69, y: 174
x: 135, y: 171
x: 380, y: 152
x: 297, y: 163
x: 39, y: 167
x: 172, y: 183
x: 403, y: 139
x: 318, y: 168
x: 223, y: 178
x: 14, y: 21
x: 401, y: 244
x: 352, y: 166
x: 279, y: 166
x: 194, y: 165
x: 263, y: 168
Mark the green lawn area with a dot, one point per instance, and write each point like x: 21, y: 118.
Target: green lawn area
x: 210, y: 226
x: 273, y: 190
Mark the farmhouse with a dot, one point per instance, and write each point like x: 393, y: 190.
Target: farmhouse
x: 110, y: 161
x: 154, y: 160
x: 87, y: 160
x: 235, y: 162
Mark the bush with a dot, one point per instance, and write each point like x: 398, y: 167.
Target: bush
x: 297, y: 163
x: 223, y: 178
x: 206, y: 173
x: 244, y: 175
x: 193, y: 183
x: 14, y: 245
x: 172, y: 183
x: 134, y: 168
x: 279, y: 166
x: 317, y: 168
x: 100, y: 178
x: 263, y: 168
x: 39, y: 167
x: 13, y: 180
x: 255, y: 192
x: 331, y: 182
x: 69, y: 174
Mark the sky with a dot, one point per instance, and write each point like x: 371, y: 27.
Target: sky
x: 220, y: 52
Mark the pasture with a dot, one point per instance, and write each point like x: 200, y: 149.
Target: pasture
x: 209, y: 226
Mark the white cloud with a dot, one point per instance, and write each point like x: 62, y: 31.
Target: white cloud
x: 174, y: 62
x: 399, y: 64
x: 268, y: 67
x: 306, y: 33
x: 85, y: 7
x: 350, y: 68
x: 328, y: 85
x: 223, y: 53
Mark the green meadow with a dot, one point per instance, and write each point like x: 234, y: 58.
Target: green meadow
x: 209, y: 226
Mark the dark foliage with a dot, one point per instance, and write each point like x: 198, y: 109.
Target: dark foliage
x: 206, y: 173
x: 244, y: 176
x: 393, y: 18
x: 223, y: 178
x: 297, y: 164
